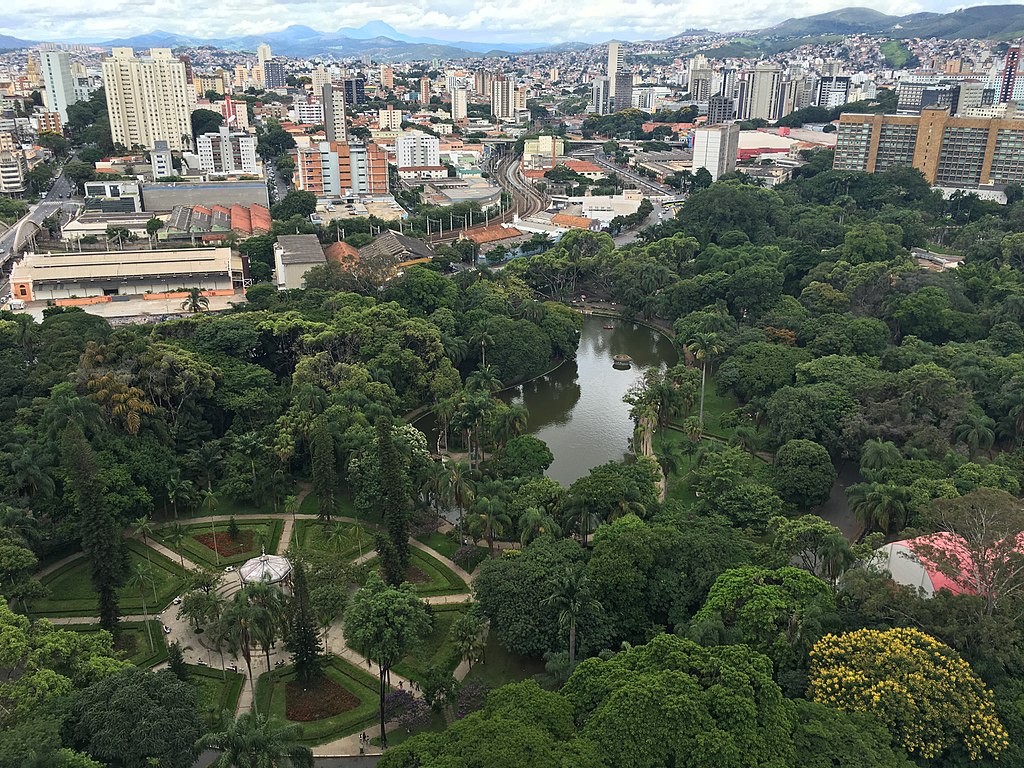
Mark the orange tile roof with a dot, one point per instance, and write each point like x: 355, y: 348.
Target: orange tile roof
x: 583, y: 166
x: 533, y: 174
x: 575, y: 222
x: 342, y: 253
x: 492, y: 234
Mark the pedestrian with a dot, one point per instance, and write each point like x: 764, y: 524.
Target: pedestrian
x: 401, y: 685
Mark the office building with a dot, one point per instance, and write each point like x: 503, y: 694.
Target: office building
x: 332, y: 99
x: 355, y: 90
x: 148, y: 99
x: 715, y: 148
x: 622, y: 91
x: 721, y: 109
x: 460, y: 103
x: 424, y: 90
x: 160, y: 161
x: 387, y: 76
x: 225, y: 152
x: 950, y: 151
x: 273, y: 74
x: 1008, y: 82
x: 113, y: 196
x: 599, y: 95
x: 390, y: 119
x: 165, y: 195
x: 616, y: 61
x: 760, y: 96
x: 334, y: 169
x: 418, y: 150
x: 58, y: 81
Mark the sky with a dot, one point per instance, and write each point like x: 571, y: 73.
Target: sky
x: 542, y: 21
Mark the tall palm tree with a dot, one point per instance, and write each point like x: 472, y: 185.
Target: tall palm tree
x: 489, y: 519
x: 141, y: 578
x: 976, y: 431
x: 22, y: 523
x: 536, y: 522
x: 250, y: 446
x: 30, y: 464
x: 239, y: 625
x: 483, y: 379
x: 509, y: 422
x: 195, y: 301
x: 254, y: 741
x: 571, y: 596
x: 704, y: 347
x: 141, y: 526
x: 484, y: 340
x: 208, y: 458
x: 884, y: 506
x: 463, y: 489
x: 175, y: 536
x: 455, y: 347
x: 877, y: 454
x: 177, y: 489
x: 581, y: 517
x: 269, y: 615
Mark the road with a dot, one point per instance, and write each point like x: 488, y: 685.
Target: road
x: 277, y: 182
x: 658, y: 215
x: 645, y: 184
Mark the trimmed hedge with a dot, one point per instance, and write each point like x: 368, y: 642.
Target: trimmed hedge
x: 442, y: 580
x: 143, y: 658
x: 203, y: 555
x: 226, y: 692
x: 436, y: 648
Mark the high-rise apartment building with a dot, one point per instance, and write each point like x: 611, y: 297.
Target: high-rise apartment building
x: 616, y: 61
x: 482, y: 82
x: 622, y: 91
x: 833, y: 92
x: 424, y: 90
x: 225, y: 152
x: 58, y: 81
x: 700, y: 78
x: 340, y: 169
x: 387, y: 76
x: 332, y: 98
x: 263, y: 54
x: 721, y: 109
x: 950, y: 151
x: 390, y: 119
x: 760, y: 97
x: 506, y: 99
x: 599, y: 98
x: 715, y: 148
x: 13, y: 168
x: 273, y: 74
x: 417, y: 150
x: 1009, y: 79
x: 355, y: 90
x: 148, y: 99
x: 319, y: 77
x: 460, y: 104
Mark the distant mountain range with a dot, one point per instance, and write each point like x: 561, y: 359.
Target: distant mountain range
x: 999, y: 22
x: 384, y: 42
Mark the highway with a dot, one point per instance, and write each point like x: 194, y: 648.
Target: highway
x: 645, y: 184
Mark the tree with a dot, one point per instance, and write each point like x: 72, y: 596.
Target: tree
x: 826, y: 738
x: 256, y: 740
x: 160, y: 708
x: 571, y: 596
x: 876, y: 455
x: 205, y: 121
x: 921, y: 690
x: 195, y: 301
x: 325, y: 478
x: 175, y: 535
x: 817, y: 545
x: 383, y: 623
x: 303, y: 640
x: 295, y: 203
x: 394, y: 504
x: 704, y: 347
x: 176, y: 661
x: 142, y: 579
x: 489, y: 519
x: 882, y: 506
x: 78, y: 173
x: 803, y: 473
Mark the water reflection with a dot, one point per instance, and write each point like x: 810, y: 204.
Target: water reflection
x: 577, y: 409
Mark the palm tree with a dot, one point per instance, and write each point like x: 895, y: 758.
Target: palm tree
x: 571, y: 596
x: 142, y: 577
x: 20, y: 522
x: 578, y: 515
x: 455, y: 347
x: 534, y: 523
x: 490, y: 519
x: 30, y: 464
x: 704, y: 347
x: 463, y: 489
x: 885, y: 506
x: 877, y: 454
x: 254, y: 741
x: 337, y: 538
x: 484, y: 340
x: 175, y: 536
x: 250, y: 445
x: 141, y: 526
x: 239, y: 626
x: 177, y: 490
x: 208, y: 458
x: 509, y: 422
x: 268, y: 616
x: 977, y: 432
x: 745, y: 436
x: 483, y: 379
x: 195, y: 302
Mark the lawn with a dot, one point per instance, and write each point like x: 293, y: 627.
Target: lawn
x: 251, y: 534
x: 71, y: 592
x: 311, y: 506
x: 313, y: 535
x: 448, y: 546
x: 501, y: 667
x: 678, y: 482
x: 429, y: 576
x: 270, y: 699
x: 132, y: 644
x: 715, y: 406
x: 436, y: 648
x: 216, y: 691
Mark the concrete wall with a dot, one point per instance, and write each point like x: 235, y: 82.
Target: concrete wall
x: 46, y: 292
x: 163, y: 197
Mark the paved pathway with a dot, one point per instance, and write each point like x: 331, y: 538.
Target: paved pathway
x: 59, y: 564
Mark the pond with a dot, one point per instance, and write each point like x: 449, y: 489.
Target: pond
x: 577, y: 409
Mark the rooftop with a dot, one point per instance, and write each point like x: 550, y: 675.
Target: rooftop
x: 300, y: 249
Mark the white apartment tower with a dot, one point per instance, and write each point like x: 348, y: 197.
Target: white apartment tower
x: 58, y: 81
x: 616, y: 60
x: 225, y: 152
x: 715, y: 148
x: 417, y: 150
x: 390, y: 119
x: 460, y: 104
x: 333, y: 100
x: 148, y: 99
x: 506, y: 99
x: 762, y: 92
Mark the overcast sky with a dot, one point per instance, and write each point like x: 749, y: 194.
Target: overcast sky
x: 484, y: 20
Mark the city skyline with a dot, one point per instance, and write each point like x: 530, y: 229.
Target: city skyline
x: 531, y: 22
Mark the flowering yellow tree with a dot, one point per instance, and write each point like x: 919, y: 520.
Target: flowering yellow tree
x: 924, y: 693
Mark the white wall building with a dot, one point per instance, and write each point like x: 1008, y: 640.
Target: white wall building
x: 225, y: 152
x: 460, y: 103
x: 59, y: 82
x: 418, y: 150
x: 390, y: 119
x: 148, y: 99
x: 715, y: 148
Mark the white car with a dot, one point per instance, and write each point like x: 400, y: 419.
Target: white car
x: 229, y: 569
x: 167, y: 630
x: 176, y: 601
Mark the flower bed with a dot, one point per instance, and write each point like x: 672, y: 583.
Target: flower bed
x: 325, y: 698
x: 221, y: 542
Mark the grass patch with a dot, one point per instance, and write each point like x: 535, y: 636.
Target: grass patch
x: 215, y: 692
x: 501, y: 667
x: 71, y: 592
x: 436, y: 648
x: 448, y: 545
x: 132, y: 644
x: 716, y: 405
x: 271, y: 699
x: 429, y: 576
x: 313, y: 535
x: 252, y: 530
x: 679, y: 481
x: 896, y: 54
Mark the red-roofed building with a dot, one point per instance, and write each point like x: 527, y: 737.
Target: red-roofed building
x: 491, y: 234
x: 342, y: 253
x: 576, y: 222
x: 585, y: 168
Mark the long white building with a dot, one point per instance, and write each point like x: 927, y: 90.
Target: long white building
x: 148, y: 99
x: 59, y: 82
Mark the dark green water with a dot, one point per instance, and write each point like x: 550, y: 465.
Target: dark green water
x: 577, y: 409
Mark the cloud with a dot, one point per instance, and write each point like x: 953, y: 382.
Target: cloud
x: 486, y: 20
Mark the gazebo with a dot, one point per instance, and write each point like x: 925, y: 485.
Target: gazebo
x: 268, y: 568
